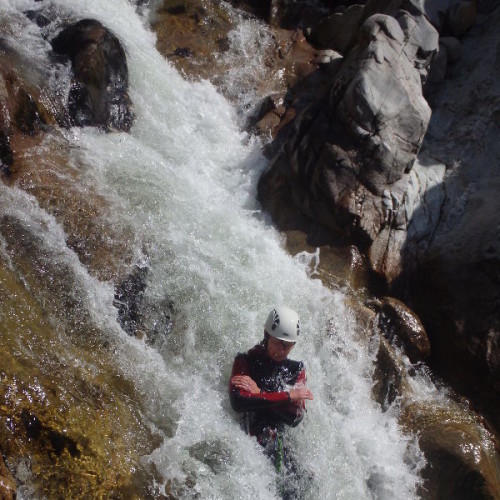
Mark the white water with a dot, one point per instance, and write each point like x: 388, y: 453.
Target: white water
x: 185, y: 179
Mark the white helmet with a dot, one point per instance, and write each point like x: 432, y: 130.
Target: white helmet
x: 283, y: 323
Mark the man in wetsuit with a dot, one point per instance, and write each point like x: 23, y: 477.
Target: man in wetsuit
x: 268, y: 387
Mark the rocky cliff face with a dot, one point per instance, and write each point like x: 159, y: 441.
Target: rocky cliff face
x: 451, y: 263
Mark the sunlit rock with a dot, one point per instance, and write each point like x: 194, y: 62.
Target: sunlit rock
x: 347, y: 161
x: 38, y: 159
x: 66, y: 424
x: 461, y: 455
x: 204, y: 40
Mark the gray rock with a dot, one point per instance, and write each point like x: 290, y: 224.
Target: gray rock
x: 347, y: 161
x: 451, y: 262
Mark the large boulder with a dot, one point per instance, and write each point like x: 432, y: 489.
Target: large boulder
x: 99, y: 91
x: 348, y: 160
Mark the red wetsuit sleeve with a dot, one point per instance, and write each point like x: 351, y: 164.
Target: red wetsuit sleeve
x: 246, y: 401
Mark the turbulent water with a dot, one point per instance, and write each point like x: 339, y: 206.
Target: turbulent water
x: 185, y: 180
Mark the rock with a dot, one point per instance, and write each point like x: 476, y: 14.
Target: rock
x: 390, y: 130
x: 6, y: 155
x: 461, y: 455
x: 450, y: 276
x: 27, y: 117
x: 337, y: 31
x: 20, y: 112
x: 347, y: 161
x: 285, y: 73
x: 99, y: 91
x: 36, y: 158
x: 287, y: 14
x: 66, y: 427
x: 453, y: 48
x: 389, y: 376
x: 462, y: 462
x: 399, y: 324
x: 140, y: 315
x: 7, y: 483
x: 38, y: 18
x: 128, y: 299
x: 437, y: 72
x: 197, y: 29
x: 460, y: 17
x: 421, y: 40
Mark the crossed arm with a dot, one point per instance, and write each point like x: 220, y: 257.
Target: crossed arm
x: 246, y: 395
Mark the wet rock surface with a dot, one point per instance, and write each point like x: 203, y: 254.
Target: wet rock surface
x: 203, y: 40
x: 402, y: 326
x: 99, y: 91
x: 65, y: 425
x: 7, y: 483
x: 38, y: 159
x: 60, y: 425
x: 461, y: 452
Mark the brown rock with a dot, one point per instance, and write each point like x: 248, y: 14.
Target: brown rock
x: 74, y: 420
x: 462, y: 460
x: 7, y: 483
x: 398, y: 323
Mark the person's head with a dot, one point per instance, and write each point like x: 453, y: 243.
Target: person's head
x: 281, y: 332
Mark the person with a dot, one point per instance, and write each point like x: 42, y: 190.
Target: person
x: 267, y: 387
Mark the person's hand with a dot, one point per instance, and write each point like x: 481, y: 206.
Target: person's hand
x: 245, y: 383
x: 300, y: 394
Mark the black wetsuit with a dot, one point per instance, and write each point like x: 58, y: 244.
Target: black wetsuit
x: 271, y: 408
x: 266, y: 413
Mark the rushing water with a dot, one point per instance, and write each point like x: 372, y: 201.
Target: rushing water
x: 185, y: 179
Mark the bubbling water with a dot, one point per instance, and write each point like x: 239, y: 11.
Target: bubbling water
x: 185, y: 180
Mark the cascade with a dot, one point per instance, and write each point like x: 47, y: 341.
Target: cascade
x: 183, y: 182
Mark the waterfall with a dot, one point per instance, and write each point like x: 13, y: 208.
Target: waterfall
x: 185, y: 179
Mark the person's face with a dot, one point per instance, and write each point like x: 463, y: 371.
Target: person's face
x: 278, y: 350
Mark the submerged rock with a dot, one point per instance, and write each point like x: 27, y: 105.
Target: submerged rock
x: 128, y: 299
x: 99, y: 90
